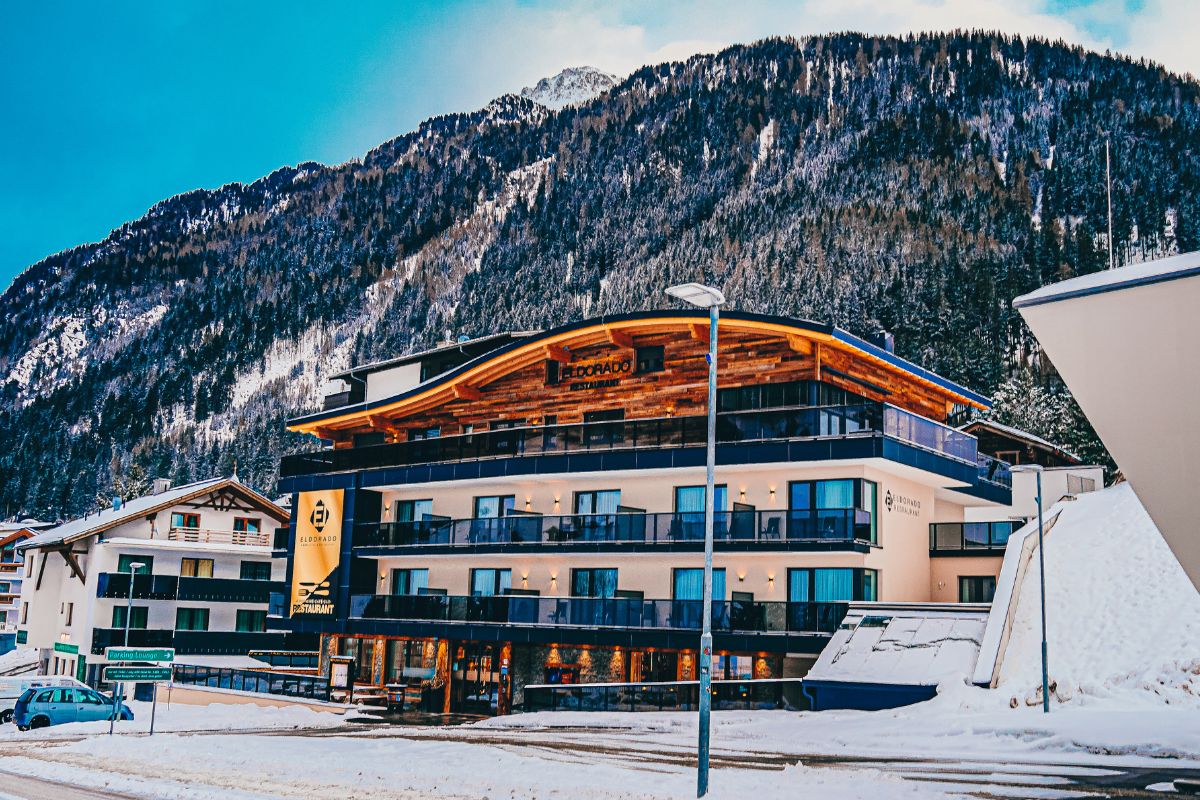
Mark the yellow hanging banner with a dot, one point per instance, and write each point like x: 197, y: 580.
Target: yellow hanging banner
x: 317, y: 554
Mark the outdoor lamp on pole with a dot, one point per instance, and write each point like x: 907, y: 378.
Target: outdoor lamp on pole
x: 120, y: 688
x: 1036, y: 469
x: 706, y: 297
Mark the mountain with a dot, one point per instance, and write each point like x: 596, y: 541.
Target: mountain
x: 915, y: 184
x: 571, y: 87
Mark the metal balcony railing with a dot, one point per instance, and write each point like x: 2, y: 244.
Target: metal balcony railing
x: 736, y: 616
x: 970, y: 537
x: 864, y: 419
x: 818, y: 526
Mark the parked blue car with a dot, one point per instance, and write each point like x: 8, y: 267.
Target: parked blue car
x: 39, y: 708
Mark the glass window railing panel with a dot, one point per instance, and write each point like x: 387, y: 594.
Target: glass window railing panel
x: 1001, y: 532
x: 976, y: 535
x: 927, y: 433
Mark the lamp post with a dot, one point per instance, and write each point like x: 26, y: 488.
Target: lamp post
x: 120, y: 688
x: 706, y: 297
x: 1036, y: 469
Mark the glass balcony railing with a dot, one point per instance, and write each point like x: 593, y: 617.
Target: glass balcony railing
x: 970, y: 537
x: 736, y: 616
x: 212, y: 642
x: 727, y: 695
x: 818, y: 526
x: 862, y: 419
x: 993, y: 470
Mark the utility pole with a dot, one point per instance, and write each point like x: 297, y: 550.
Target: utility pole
x: 1108, y: 180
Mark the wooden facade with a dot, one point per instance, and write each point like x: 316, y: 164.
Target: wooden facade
x: 598, y: 365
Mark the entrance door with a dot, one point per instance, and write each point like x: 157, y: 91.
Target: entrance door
x: 476, y: 679
x: 741, y: 523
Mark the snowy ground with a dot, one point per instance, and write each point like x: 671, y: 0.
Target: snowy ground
x: 15, y: 662
x: 964, y: 742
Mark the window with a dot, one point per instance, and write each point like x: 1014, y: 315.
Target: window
x: 976, y: 588
x: 606, y: 501
x: 191, y: 619
x: 196, y: 568
x: 832, y: 585
x: 689, y: 511
x: 489, y: 582
x: 126, y: 560
x: 603, y: 435
x: 420, y: 434
x: 688, y: 584
x: 137, y: 617
x: 553, y: 372
x: 411, y: 510
x: 843, y: 508
x: 256, y: 570
x: 70, y: 613
x: 247, y: 525
x: 183, y: 520
x: 251, y: 621
x: 494, y: 506
x: 409, y: 581
x: 594, y: 582
x: 24, y: 613
x: 88, y: 697
x: 29, y: 565
x: 370, y: 439
x: 650, y: 359
x: 611, y: 415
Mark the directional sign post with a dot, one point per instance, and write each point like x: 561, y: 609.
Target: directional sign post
x: 145, y: 674
x: 137, y: 674
x: 152, y: 655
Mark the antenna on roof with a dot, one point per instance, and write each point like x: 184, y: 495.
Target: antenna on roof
x: 1108, y: 180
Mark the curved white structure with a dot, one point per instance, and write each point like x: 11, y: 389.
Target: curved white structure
x: 1127, y: 343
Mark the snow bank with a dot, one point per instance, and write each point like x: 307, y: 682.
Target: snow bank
x: 19, y: 661
x: 1123, y: 620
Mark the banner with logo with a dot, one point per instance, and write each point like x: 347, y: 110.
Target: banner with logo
x: 317, y: 554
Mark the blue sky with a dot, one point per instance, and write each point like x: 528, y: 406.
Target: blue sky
x: 110, y: 107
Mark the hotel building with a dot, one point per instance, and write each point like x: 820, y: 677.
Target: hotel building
x: 200, y: 560
x: 528, y: 508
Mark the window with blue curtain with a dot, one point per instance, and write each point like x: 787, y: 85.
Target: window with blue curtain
x: 497, y: 506
x: 488, y: 582
x: 412, y: 510
x: 409, y: 581
x: 833, y: 584
x: 601, y: 502
x: 799, y: 585
x: 689, y: 511
x: 689, y: 584
x: 594, y: 582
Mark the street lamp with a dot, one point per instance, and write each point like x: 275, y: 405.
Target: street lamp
x: 120, y: 688
x: 706, y: 297
x: 1036, y: 469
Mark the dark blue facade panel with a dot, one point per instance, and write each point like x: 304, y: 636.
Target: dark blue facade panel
x: 827, y: 695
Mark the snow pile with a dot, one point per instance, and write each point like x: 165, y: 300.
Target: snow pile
x: 19, y: 661
x: 572, y: 86
x: 1123, y: 620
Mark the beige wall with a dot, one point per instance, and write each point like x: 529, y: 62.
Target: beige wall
x: 945, y: 572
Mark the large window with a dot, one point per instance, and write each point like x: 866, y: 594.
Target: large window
x: 784, y: 395
x: 832, y: 584
x: 488, y: 582
x: 420, y: 434
x: 594, y: 582
x: 688, y: 584
x: 196, y: 568
x: 494, y: 506
x: 138, y: 617
x: 181, y: 519
x: 191, y: 619
x: 650, y: 358
x: 251, y: 620
x: 256, y: 571
x: 689, y: 511
x: 247, y: 524
x: 843, y: 508
x: 976, y: 588
x: 411, y: 510
x: 409, y: 581
x: 125, y: 562
x: 602, y: 502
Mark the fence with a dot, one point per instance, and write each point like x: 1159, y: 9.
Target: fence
x: 284, y: 684
x: 727, y: 695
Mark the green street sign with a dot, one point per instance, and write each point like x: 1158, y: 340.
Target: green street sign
x: 63, y: 647
x: 154, y: 655
x: 22, y: 637
x: 136, y: 674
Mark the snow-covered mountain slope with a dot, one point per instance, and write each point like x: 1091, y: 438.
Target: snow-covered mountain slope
x: 570, y: 87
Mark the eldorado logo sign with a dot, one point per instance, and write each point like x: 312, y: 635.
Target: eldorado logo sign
x: 318, y: 551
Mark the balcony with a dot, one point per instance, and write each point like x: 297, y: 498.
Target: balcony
x: 609, y: 612
x: 817, y: 529
x: 862, y: 421
x: 970, y: 538
x: 234, y: 538
x: 115, y: 585
x: 201, y: 642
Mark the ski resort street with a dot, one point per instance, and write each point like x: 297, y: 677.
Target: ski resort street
x: 946, y: 748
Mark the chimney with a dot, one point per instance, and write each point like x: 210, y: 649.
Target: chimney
x: 160, y: 485
x: 884, y: 340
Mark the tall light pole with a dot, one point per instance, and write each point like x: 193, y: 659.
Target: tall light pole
x: 1036, y: 469
x: 706, y: 297
x: 119, y: 691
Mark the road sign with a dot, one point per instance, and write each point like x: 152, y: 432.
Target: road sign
x: 136, y: 674
x: 63, y: 647
x: 154, y: 655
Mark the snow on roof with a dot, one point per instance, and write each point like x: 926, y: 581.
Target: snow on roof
x: 1162, y: 269
x: 23, y: 524
x: 1023, y: 435
x: 375, y: 366
x: 138, y: 507
x: 903, y: 644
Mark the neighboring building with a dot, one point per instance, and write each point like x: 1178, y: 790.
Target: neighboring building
x: 1124, y: 341
x: 11, y: 574
x: 965, y: 553
x: 532, y: 511
x: 203, y: 587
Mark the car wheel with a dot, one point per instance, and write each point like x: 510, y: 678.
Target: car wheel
x: 39, y: 722
x: 22, y: 727
x: 6, y: 716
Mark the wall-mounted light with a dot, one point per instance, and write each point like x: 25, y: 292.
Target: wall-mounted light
x: 741, y: 577
x: 742, y: 493
x: 524, y: 580
x: 528, y: 502
x: 553, y: 578
x: 771, y: 581
x: 557, y: 500
x: 772, y: 494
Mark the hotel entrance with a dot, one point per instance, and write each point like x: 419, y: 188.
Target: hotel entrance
x: 480, y: 681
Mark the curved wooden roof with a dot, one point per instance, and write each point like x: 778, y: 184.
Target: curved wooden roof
x: 466, y: 380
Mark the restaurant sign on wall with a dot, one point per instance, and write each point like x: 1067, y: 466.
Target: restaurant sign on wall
x: 595, y: 373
